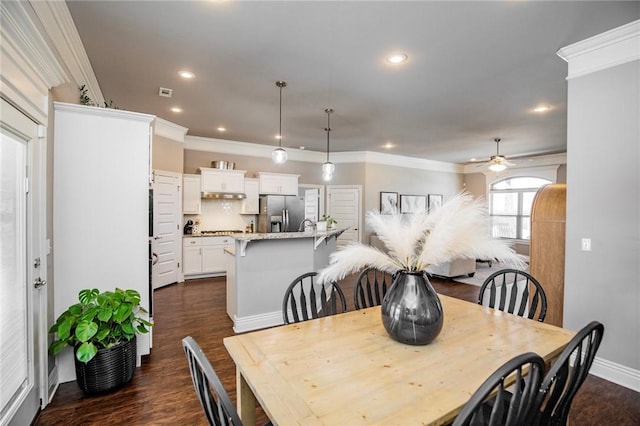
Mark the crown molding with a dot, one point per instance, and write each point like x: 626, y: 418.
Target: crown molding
x: 222, y: 146
x: 614, y: 47
x: 30, y: 67
x: 169, y: 130
x: 105, y: 112
x: 61, y: 30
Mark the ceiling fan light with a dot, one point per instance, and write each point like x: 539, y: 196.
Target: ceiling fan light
x: 279, y: 156
x: 496, y: 167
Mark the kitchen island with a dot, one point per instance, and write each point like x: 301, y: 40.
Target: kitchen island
x: 261, y: 266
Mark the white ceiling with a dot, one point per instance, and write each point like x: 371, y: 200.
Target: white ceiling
x: 475, y: 71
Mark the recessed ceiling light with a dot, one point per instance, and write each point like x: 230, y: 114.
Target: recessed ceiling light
x: 389, y: 145
x: 397, y: 58
x: 176, y: 109
x: 222, y: 129
x: 303, y: 147
x: 186, y: 74
x: 278, y: 136
x: 473, y: 159
x: 544, y: 108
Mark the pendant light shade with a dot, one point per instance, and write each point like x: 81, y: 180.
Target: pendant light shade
x: 328, y: 168
x: 279, y: 155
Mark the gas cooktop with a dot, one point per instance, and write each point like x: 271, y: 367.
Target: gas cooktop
x: 221, y: 232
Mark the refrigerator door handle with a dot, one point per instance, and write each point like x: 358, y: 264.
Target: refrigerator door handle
x: 285, y: 221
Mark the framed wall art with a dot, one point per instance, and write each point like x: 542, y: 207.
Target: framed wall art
x: 435, y: 200
x: 388, y: 202
x: 413, y: 203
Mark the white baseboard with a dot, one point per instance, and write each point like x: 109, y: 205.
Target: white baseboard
x: 255, y: 322
x: 616, y: 373
x: 53, y: 384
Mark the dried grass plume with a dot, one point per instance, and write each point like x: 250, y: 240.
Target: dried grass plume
x: 457, y: 229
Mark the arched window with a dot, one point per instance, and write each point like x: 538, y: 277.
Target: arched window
x: 510, y: 202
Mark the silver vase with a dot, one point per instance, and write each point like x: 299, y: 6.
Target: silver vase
x: 411, y: 310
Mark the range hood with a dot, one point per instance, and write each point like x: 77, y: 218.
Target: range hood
x: 224, y: 195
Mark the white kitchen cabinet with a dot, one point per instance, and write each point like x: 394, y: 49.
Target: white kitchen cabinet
x: 278, y: 183
x: 215, y: 180
x: 204, y: 256
x: 250, y: 205
x: 191, y: 197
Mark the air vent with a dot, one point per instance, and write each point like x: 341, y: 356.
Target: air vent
x: 165, y: 93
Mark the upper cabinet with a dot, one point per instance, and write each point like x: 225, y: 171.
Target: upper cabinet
x: 250, y: 204
x: 191, y: 194
x: 215, y: 180
x: 278, y: 183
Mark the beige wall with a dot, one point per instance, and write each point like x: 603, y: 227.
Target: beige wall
x: 167, y: 155
x: 372, y: 177
x: 310, y: 173
x: 380, y: 177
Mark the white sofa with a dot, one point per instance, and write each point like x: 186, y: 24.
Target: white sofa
x: 455, y: 268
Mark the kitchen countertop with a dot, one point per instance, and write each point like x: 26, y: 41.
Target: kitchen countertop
x: 286, y: 235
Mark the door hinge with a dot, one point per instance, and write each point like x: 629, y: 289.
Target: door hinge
x: 26, y: 185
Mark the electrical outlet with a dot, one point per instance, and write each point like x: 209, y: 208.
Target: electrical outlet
x: 586, y: 244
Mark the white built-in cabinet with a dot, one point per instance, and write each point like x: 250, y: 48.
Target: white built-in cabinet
x: 101, y: 182
x: 216, y: 180
x: 250, y: 205
x: 191, y: 197
x: 202, y: 256
x: 278, y: 183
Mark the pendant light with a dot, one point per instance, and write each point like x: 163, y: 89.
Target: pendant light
x: 328, y: 168
x: 279, y: 155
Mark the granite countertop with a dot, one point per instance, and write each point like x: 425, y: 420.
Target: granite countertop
x: 286, y: 235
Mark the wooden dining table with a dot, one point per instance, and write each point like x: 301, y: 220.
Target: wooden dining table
x: 346, y: 370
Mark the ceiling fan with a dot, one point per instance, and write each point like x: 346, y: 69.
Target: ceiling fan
x: 498, y: 162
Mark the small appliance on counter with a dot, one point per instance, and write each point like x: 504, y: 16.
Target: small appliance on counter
x: 188, y: 227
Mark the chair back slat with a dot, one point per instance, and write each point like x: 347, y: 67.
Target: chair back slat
x: 519, y: 294
x: 564, y: 379
x: 305, y: 299
x: 215, y: 401
x: 371, y: 287
x: 493, y: 404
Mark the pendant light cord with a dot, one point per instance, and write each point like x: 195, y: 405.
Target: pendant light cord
x: 280, y: 125
x: 280, y: 84
x: 328, y: 129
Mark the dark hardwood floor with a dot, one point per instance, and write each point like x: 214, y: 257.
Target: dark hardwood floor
x: 161, y: 392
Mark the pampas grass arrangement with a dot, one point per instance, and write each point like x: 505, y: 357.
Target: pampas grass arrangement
x: 457, y: 229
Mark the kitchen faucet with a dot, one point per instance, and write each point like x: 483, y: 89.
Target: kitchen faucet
x: 301, y: 227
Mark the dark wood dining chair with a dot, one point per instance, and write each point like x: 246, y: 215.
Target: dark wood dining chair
x: 371, y: 286
x: 305, y: 299
x: 528, y: 301
x: 215, y: 401
x: 493, y: 404
x: 564, y: 378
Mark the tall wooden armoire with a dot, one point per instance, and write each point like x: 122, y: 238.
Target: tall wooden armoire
x: 546, y: 255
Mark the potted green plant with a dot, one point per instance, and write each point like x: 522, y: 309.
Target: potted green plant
x: 102, y: 329
x: 326, y: 222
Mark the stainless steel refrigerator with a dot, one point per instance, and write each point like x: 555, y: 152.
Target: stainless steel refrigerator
x: 280, y: 213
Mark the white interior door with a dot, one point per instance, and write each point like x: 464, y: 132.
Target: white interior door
x: 166, y: 228
x: 343, y: 204
x: 22, y: 364
x: 312, y: 204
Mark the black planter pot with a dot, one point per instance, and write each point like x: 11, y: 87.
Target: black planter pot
x: 411, y: 309
x: 109, y: 369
